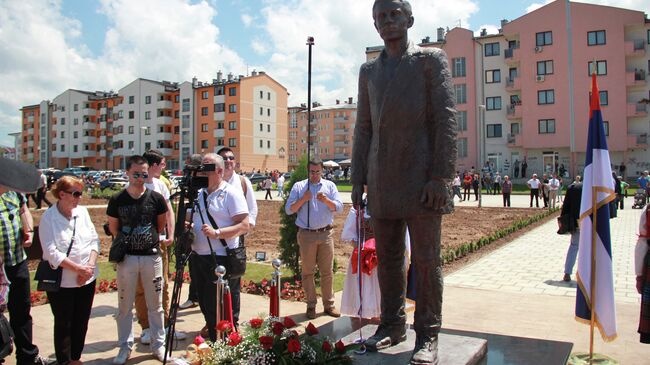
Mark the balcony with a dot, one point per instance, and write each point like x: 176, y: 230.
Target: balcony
x: 87, y: 112
x: 30, y: 144
x: 635, y: 48
x: 30, y: 131
x: 30, y: 157
x: 166, y: 151
x: 88, y: 153
x: 165, y: 136
x: 341, y: 143
x: 513, y: 84
x: 637, y: 110
x: 102, y: 111
x: 165, y: 119
x: 512, y: 55
x: 102, y: 153
x: 341, y: 156
x: 102, y: 125
x: 341, y: 131
x: 219, y: 133
x: 102, y: 139
x: 636, y: 78
x: 88, y: 139
x: 219, y: 116
x: 88, y: 126
x: 514, y: 111
x: 514, y: 140
x: 30, y: 119
x: 637, y: 141
x: 164, y: 104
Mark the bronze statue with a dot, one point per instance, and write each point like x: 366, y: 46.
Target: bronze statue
x: 405, y: 152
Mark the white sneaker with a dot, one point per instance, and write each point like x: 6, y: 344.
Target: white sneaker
x: 188, y: 304
x: 159, y: 353
x: 178, y: 335
x: 145, y: 337
x: 122, y: 356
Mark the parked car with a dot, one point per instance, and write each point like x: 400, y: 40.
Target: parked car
x: 255, y: 178
x: 113, y: 182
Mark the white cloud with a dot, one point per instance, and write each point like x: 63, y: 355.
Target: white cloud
x: 260, y: 47
x: 247, y: 20
x: 534, y: 6
x: 489, y: 28
x: 641, y: 5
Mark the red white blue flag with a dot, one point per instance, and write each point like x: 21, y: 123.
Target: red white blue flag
x: 595, y: 259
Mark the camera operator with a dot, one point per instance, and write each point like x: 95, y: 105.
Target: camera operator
x: 227, y: 207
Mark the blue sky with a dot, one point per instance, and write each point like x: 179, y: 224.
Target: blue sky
x: 48, y: 46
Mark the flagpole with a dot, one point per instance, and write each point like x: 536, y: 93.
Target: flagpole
x: 592, y: 278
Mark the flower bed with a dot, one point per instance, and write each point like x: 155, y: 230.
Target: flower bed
x: 268, y: 341
x: 290, y: 290
x: 103, y: 286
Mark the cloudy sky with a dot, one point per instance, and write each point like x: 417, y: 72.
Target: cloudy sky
x: 48, y: 46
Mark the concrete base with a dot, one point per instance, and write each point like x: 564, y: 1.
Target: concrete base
x: 452, y: 350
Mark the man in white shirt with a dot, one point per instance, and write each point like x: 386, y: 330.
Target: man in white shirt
x: 533, y: 185
x: 455, y: 186
x: 554, y: 186
x: 280, y: 186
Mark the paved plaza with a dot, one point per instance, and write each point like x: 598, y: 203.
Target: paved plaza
x: 516, y: 290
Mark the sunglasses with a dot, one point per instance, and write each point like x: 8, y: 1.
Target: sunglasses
x: 76, y: 194
x: 231, y: 158
x: 314, y: 171
x: 137, y: 175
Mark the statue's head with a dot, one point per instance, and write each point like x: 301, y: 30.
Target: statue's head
x: 392, y: 18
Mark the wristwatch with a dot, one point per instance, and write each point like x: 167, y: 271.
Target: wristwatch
x: 217, y: 232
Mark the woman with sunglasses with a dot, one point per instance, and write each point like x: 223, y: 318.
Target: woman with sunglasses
x: 64, y: 224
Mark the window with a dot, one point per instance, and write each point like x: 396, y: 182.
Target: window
x: 75, y: 107
x: 204, y: 95
x: 461, y: 120
x: 514, y: 128
x: 492, y: 49
x: 75, y: 121
x: 62, y: 108
x: 232, y: 108
x: 261, y: 94
x: 185, y: 121
x: 75, y: 148
x: 131, y: 99
x: 261, y: 127
x: 131, y: 129
x: 147, y: 99
x: 220, y: 107
x: 204, y: 143
x: 461, y: 146
x: 62, y: 121
x: 648, y: 36
x: 604, y: 97
x: 458, y: 69
x: 261, y: 111
x: 186, y: 105
x: 268, y: 144
x: 546, y: 126
x: 147, y: 115
x: 62, y: 148
x: 493, y: 103
x: 261, y: 143
x: 460, y: 92
x: 204, y: 111
x: 218, y: 90
x: 268, y: 112
x: 268, y: 128
x: 544, y: 38
x: 131, y: 145
x: 232, y: 91
x: 606, y: 126
x: 177, y: 145
x: 493, y: 130
x: 177, y: 98
x: 545, y: 67
x: 220, y: 125
x: 293, y: 123
x: 601, y: 67
x: 120, y: 114
x: 546, y: 97
x: 219, y: 141
x: 268, y: 96
x: 492, y: 76
x: 75, y: 134
x: 177, y: 130
x: 131, y: 114
x: 232, y: 142
x: 176, y: 113
x: 204, y: 127
x: 232, y: 125
x: 596, y: 38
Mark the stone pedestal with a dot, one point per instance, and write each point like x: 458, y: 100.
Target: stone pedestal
x: 452, y: 349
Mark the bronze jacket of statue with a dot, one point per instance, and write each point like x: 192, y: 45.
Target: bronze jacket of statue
x: 405, y: 134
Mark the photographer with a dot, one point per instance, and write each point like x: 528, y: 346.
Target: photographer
x: 226, y: 205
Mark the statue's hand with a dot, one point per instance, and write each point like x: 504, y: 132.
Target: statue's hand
x: 434, y: 195
x: 357, y: 195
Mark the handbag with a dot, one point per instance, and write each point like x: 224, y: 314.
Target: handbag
x: 235, y: 257
x: 49, y: 279
x: 120, y: 244
x: 6, y: 337
x: 565, y: 224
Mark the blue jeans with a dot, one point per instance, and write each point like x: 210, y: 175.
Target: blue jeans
x: 572, y: 253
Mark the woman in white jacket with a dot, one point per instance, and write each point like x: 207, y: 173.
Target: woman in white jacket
x: 64, y: 224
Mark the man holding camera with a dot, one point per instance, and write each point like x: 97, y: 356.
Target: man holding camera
x: 315, y: 200
x: 226, y: 206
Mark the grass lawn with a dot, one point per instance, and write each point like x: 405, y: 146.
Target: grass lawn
x: 254, y: 271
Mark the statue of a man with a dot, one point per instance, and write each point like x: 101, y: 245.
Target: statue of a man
x: 405, y: 152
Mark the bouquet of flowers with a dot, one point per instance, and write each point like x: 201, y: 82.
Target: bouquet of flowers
x: 268, y: 341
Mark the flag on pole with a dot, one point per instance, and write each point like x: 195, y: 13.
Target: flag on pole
x: 596, y: 257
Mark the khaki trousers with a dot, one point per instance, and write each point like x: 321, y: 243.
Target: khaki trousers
x: 141, y: 310
x: 317, y: 250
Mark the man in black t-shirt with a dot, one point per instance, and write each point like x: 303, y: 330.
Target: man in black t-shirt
x: 138, y: 213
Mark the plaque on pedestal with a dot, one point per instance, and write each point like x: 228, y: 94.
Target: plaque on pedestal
x: 452, y: 349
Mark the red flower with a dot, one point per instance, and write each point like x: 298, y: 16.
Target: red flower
x: 234, y: 339
x: 289, y: 322
x: 293, y: 346
x: 224, y: 326
x: 264, y: 282
x: 311, y: 329
x: 198, y: 340
x: 327, y: 347
x: 340, y: 347
x: 278, y: 328
x: 256, y: 322
x: 266, y: 342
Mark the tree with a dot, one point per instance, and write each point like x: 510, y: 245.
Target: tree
x: 288, y: 245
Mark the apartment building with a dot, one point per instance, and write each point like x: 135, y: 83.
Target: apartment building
x: 332, y: 129
x: 102, y: 129
x: 523, y: 94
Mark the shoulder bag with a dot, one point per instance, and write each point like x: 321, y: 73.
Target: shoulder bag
x: 120, y: 244
x: 6, y: 337
x: 49, y: 279
x: 235, y: 257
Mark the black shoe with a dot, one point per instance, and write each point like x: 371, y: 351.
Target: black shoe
x: 385, y: 338
x: 426, y: 350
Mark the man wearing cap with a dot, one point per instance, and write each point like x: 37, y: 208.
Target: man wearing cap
x: 533, y: 185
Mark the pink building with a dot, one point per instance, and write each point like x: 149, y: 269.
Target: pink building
x: 523, y: 94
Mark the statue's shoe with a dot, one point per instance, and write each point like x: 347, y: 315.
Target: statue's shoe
x: 426, y: 351
x: 385, y: 338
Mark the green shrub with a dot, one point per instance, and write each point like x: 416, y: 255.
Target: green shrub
x: 104, y: 193
x: 288, y: 245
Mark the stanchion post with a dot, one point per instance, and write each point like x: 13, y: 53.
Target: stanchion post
x: 220, y: 272
x: 277, y: 282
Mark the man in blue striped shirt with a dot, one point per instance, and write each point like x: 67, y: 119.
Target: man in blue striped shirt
x: 315, y: 200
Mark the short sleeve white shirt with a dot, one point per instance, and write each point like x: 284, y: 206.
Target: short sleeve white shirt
x: 534, y: 183
x: 235, y: 182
